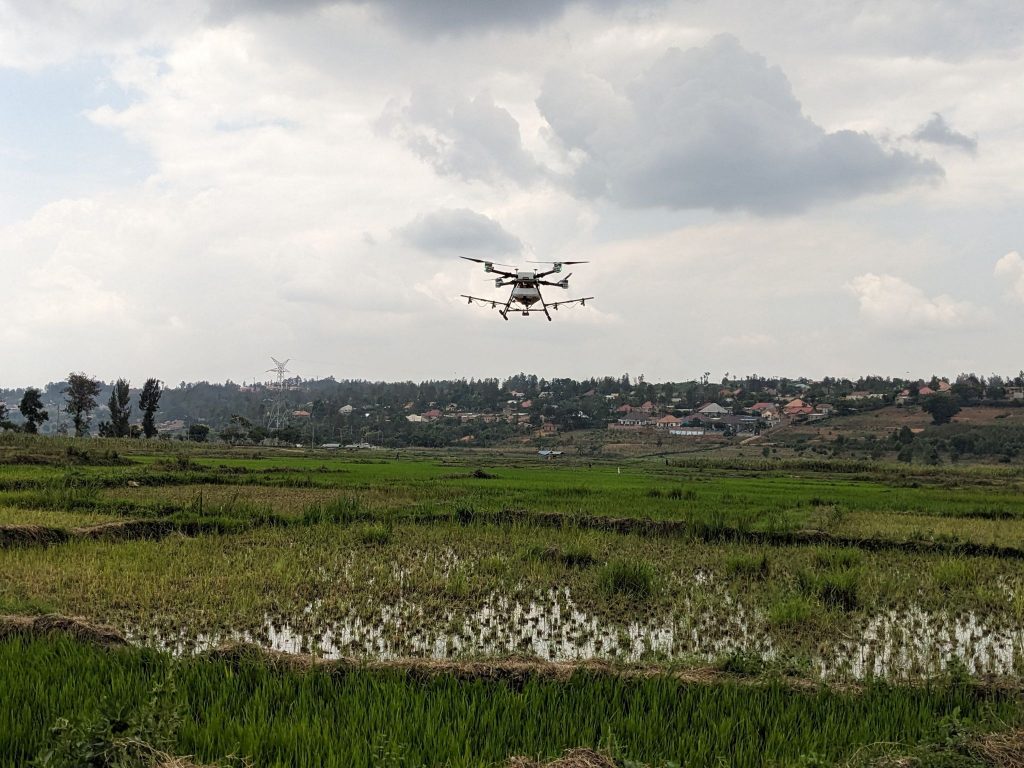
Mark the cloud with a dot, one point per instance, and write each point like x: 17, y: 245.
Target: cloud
x: 892, y: 302
x: 473, y: 139
x: 437, y: 17
x: 460, y: 231
x: 938, y: 131
x: 1010, y: 268
x: 713, y: 127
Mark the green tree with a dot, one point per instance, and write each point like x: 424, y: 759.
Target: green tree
x: 198, y: 433
x: 149, y: 401
x: 31, y: 407
x: 120, y: 405
x: 941, y: 408
x: 4, y: 422
x: 81, y: 394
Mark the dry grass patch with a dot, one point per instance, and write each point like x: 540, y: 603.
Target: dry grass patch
x: 573, y: 758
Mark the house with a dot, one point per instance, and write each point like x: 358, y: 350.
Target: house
x: 415, y: 418
x: 526, y: 404
x: 925, y: 391
x: 301, y: 414
x: 548, y: 428
x: 668, y: 422
x: 826, y: 409
x: 345, y: 410
x: 687, y: 432
x: 1013, y: 393
x: 647, y: 407
x: 943, y: 386
x: 635, y: 418
x: 903, y: 397
x: 764, y: 409
x: 864, y: 395
x: 432, y: 415
x: 713, y: 409
x: 797, y: 407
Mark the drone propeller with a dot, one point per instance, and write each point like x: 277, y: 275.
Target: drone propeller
x: 555, y: 262
x: 484, y: 261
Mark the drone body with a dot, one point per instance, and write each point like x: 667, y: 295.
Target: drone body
x: 526, y: 288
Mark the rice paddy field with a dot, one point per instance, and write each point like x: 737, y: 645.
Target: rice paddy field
x: 479, y: 608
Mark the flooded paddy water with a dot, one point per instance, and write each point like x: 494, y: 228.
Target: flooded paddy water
x: 894, y: 644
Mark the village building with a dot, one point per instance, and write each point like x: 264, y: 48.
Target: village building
x: 797, y: 407
x: 713, y: 409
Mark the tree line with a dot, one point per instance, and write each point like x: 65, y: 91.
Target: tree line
x: 81, y: 393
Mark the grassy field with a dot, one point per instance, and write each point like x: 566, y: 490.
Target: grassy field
x: 828, y: 572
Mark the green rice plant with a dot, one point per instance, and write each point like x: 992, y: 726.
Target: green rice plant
x: 571, y: 554
x: 685, y: 494
x: 840, y: 589
x: 832, y: 558
x: 629, y: 578
x: 344, y: 509
x: 951, y: 574
x: 794, y: 612
x: 457, y: 584
x: 748, y: 566
x: 333, y: 716
x: 376, y: 534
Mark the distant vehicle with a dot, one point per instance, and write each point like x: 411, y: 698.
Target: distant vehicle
x: 525, y: 287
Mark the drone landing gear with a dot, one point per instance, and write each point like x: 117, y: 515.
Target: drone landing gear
x: 544, y: 307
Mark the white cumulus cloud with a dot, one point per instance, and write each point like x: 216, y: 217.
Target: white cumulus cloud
x: 1010, y: 269
x: 891, y: 301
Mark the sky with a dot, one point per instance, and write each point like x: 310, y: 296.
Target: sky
x: 816, y: 189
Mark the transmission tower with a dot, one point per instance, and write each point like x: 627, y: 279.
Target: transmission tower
x: 277, y: 408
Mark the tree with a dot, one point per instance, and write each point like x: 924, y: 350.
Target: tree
x: 198, y: 433
x: 81, y: 394
x: 149, y: 400
x: 4, y: 422
x: 941, y: 408
x: 120, y: 405
x: 31, y: 407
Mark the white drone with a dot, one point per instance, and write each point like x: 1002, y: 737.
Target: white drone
x: 525, y: 287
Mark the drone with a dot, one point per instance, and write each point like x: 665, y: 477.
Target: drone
x: 525, y: 287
